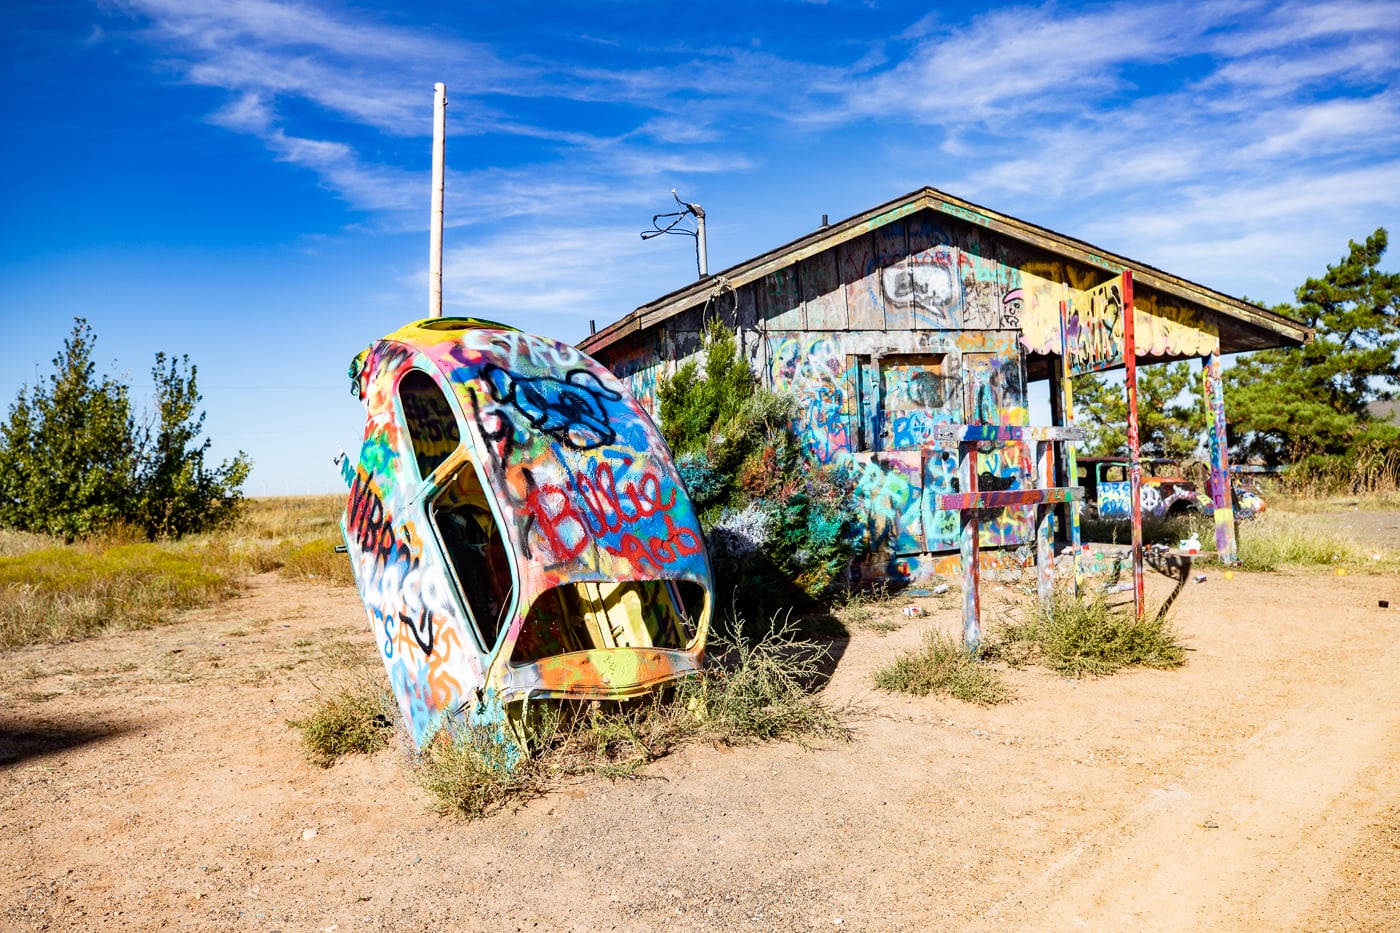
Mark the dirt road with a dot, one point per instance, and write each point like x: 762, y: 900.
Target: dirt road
x: 148, y: 781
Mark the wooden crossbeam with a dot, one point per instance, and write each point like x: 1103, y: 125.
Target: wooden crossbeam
x: 949, y: 436
x: 965, y: 438
x: 1001, y: 498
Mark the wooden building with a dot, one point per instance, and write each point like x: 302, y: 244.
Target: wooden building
x: 924, y: 310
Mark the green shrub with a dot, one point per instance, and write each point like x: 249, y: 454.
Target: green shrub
x: 352, y: 720
x: 1075, y: 637
x: 778, y: 524
x: 944, y: 666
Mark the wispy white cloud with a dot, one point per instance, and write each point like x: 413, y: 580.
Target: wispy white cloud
x: 565, y: 270
x: 1165, y: 109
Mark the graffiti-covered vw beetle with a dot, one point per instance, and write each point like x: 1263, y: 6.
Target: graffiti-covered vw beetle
x: 516, y: 527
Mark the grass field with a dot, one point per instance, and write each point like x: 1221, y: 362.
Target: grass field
x: 53, y: 592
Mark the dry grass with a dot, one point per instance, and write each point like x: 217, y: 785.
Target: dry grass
x: 1075, y: 637
x: 64, y: 593
x: 750, y: 691
x: 1277, y: 539
x: 356, y: 719
x: 53, y: 592
x: 943, y: 666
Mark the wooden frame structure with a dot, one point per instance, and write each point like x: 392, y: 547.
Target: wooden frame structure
x: 965, y: 438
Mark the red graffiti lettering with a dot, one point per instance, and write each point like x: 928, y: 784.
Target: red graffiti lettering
x: 679, y: 542
x: 557, y: 519
x: 600, y: 495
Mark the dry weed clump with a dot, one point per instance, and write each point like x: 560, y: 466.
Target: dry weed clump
x: 356, y: 719
x: 751, y: 691
x: 944, y: 666
x: 1074, y: 637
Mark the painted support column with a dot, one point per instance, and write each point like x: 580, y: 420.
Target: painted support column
x: 1221, y: 494
x: 1045, y: 519
x: 1134, y: 454
x: 971, y: 553
x: 1066, y: 394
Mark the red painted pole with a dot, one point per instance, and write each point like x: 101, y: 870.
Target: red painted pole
x: 1134, y: 455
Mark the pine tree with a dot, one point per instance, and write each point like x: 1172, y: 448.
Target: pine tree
x: 1308, y: 405
x: 74, y: 461
x: 67, y: 453
x: 1171, y: 417
x: 177, y: 494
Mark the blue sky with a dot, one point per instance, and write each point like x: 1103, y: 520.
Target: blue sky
x: 247, y: 182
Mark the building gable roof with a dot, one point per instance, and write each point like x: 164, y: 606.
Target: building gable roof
x: 1243, y: 326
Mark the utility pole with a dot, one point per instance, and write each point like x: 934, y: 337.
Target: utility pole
x: 700, y: 247
x: 435, y: 227
x: 702, y: 261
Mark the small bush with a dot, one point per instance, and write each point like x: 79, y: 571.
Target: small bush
x: 352, y: 720
x: 944, y: 666
x: 1075, y: 637
x: 761, y: 689
x: 779, y: 526
x: 471, y: 772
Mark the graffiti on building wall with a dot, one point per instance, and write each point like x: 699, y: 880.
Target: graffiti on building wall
x: 888, y: 487
x: 926, y: 284
x: 1094, y: 328
x: 1159, y: 329
x: 918, y: 392
x: 1039, y: 317
x: 640, y: 370
x: 812, y: 368
x: 1170, y: 330
x: 992, y: 292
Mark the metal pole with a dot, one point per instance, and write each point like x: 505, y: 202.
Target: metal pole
x: 435, y: 231
x: 700, y: 256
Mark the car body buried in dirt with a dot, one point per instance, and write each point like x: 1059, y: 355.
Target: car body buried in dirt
x: 516, y: 528
x: 1167, y: 492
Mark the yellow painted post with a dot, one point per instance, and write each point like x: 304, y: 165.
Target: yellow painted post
x: 1226, y: 547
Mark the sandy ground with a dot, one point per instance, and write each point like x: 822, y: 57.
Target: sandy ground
x: 149, y: 780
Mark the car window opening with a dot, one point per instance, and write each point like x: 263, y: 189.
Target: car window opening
x: 586, y: 616
x: 432, y: 427
x: 476, y: 550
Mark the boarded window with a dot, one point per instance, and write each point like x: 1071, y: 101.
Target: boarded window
x: 917, y: 392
